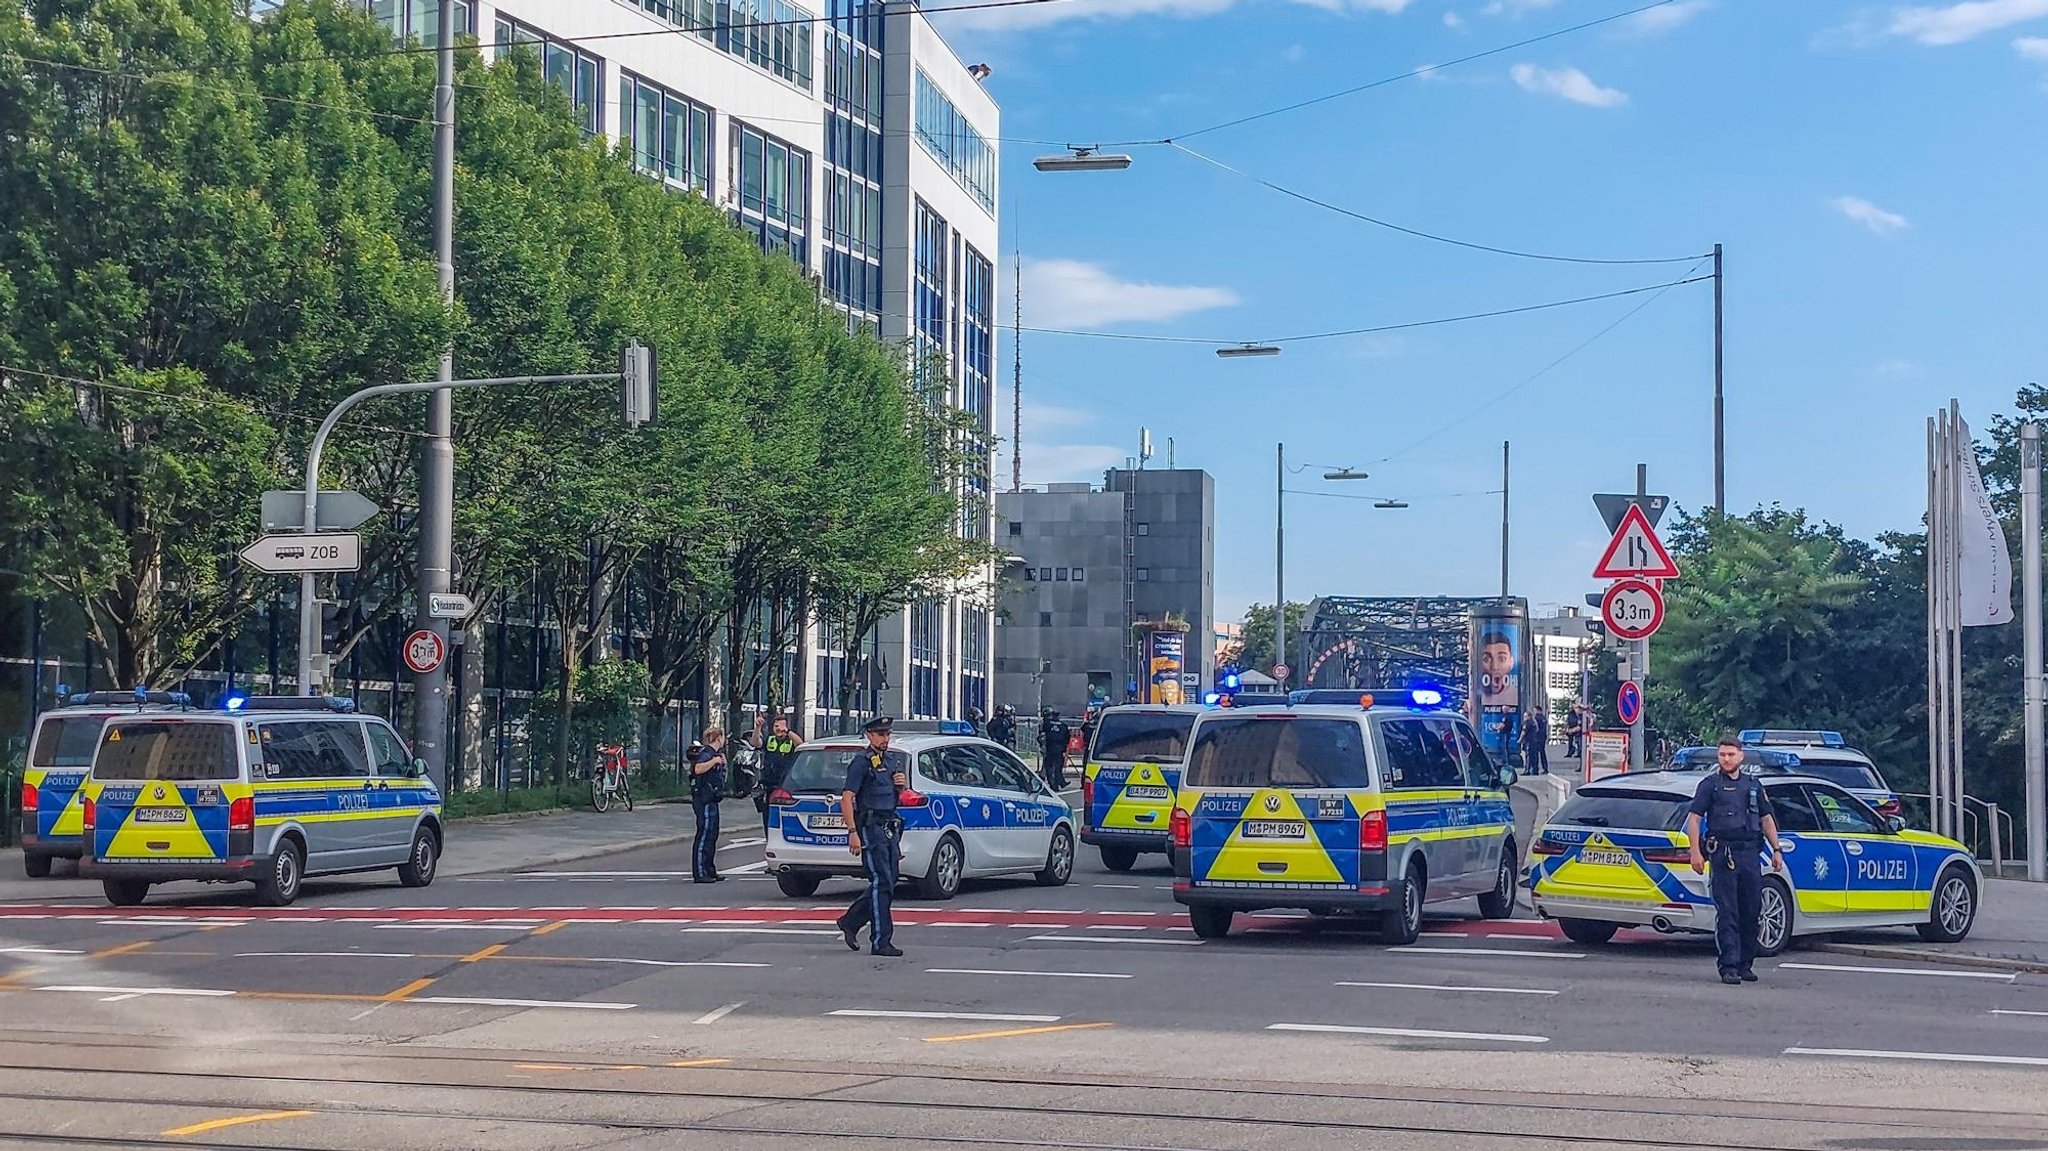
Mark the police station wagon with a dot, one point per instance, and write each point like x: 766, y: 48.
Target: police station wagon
x: 268, y: 791
x: 59, y: 756
x: 973, y: 811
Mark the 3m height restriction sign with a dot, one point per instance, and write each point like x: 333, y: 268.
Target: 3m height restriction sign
x: 1635, y: 551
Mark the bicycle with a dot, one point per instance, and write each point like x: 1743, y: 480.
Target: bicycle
x: 611, y: 780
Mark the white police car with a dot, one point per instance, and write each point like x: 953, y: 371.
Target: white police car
x: 1829, y: 756
x: 973, y: 811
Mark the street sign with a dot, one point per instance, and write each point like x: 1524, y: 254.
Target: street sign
x: 1190, y: 680
x: 299, y: 554
x: 1628, y: 702
x: 1633, y: 609
x: 338, y: 511
x: 449, y: 605
x: 1613, y: 507
x: 1635, y: 551
x: 424, y: 652
x: 1281, y: 672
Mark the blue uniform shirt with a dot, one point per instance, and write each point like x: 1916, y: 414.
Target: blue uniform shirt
x: 870, y: 777
x: 1733, y: 809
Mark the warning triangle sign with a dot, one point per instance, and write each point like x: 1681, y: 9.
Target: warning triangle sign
x: 1635, y: 551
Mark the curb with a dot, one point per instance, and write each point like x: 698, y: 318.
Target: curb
x: 1942, y: 958
x: 591, y: 851
x: 1549, y: 791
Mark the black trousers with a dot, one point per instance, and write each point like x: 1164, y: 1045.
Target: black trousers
x: 1736, y: 876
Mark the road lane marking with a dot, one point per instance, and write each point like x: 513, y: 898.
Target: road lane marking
x: 577, y: 1067
x: 969, y: 1016
x: 1490, y: 951
x: 1118, y: 927
x: 124, y: 949
x: 1041, y: 926
x: 1999, y: 975
x: 754, y: 931
x: 1409, y: 1033
x: 596, y: 875
x: 471, y: 1001
x: 698, y: 1063
x: 486, y: 953
x: 237, y: 1121
x: 1046, y: 974
x: 37, y: 951
x: 514, y: 927
x: 2009, y: 1011
x: 1930, y: 1056
x: 613, y: 959
x: 710, y: 1017
x: 732, y: 843
x: 119, y: 993
x: 1112, y: 939
x: 407, y: 991
x: 327, y: 955
x: 1117, y: 886
x: 1015, y: 1032
x: 744, y: 868
x: 1447, y: 987
x: 550, y: 928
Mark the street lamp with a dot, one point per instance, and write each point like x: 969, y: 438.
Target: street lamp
x: 1280, y: 542
x: 1083, y: 160
x: 1391, y: 504
x: 1239, y: 351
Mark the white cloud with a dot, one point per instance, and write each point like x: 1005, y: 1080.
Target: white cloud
x: 1453, y: 20
x: 1568, y: 84
x: 1294, y: 54
x: 1870, y: 215
x: 2032, y: 47
x: 1896, y: 369
x: 1955, y: 23
x: 1663, y: 19
x: 1066, y: 11
x: 1516, y: 7
x: 1074, y: 293
x: 1071, y: 463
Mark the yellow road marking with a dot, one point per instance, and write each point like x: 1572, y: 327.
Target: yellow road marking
x: 409, y: 990
x: 124, y: 949
x: 700, y: 1063
x: 1014, y: 1033
x: 237, y: 1121
x: 486, y: 953
x: 551, y: 928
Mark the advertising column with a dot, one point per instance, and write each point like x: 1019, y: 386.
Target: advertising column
x: 1165, y: 656
x: 1500, y: 666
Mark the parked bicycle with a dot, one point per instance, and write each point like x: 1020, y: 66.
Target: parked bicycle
x: 611, y: 781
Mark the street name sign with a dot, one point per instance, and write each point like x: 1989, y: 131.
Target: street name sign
x: 449, y: 605
x: 1635, y: 551
x: 1633, y: 609
x: 338, y: 511
x: 301, y: 554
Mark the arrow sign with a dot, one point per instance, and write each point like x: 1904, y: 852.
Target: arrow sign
x: 449, y: 605
x: 1635, y: 551
x: 338, y: 511
x: 1613, y: 507
x: 299, y: 554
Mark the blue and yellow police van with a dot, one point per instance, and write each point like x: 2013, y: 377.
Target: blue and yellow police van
x: 267, y: 791
x: 1616, y: 855
x: 1129, y: 779
x: 1379, y: 807
x: 52, y: 819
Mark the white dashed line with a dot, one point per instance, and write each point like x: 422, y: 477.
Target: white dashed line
x: 1998, y: 975
x: 1112, y: 939
x: 710, y: 1017
x: 1929, y: 1056
x: 1447, y: 987
x: 1489, y: 951
x: 1412, y: 1033
x: 473, y: 1002
x: 1044, y: 974
x: 2009, y: 1011
x: 969, y: 1016
x: 754, y: 931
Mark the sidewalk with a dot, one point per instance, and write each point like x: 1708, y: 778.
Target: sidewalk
x: 2011, y: 934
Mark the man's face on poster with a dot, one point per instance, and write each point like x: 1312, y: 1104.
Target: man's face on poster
x: 1497, y: 663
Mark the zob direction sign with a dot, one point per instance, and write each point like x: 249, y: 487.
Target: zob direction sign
x: 302, y: 554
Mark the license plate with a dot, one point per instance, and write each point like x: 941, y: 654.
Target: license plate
x: 1143, y: 791
x: 826, y: 822
x: 1275, y: 829
x: 159, y: 815
x: 1606, y: 857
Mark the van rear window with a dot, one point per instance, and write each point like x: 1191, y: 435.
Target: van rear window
x: 179, y: 752
x: 819, y: 769
x: 1151, y: 736
x: 1278, y: 751
x: 67, y: 741
x: 1636, y: 810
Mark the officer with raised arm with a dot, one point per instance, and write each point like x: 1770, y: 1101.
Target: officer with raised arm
x: 875, y: 833
x: 1737, y: 820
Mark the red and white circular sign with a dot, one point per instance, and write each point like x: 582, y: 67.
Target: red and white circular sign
x: 1280, y: 671
x: 1633, y: 609
x: 424, y: 652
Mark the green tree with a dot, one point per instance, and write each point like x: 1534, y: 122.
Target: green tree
x: 1256, y: 649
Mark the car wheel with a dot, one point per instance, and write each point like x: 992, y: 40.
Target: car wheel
x: 1059, y: 860
x: 1210, y: 922
x: 125, y: 892
x: 1500, y: 902
x: 1588, y: 931
x: 1401, y: 924
x: 1774, y: 918
x: 278, y: 886
x: 1119, y: 858
x: 942, y: 881
x: 1954, y: 910
x: 37, y: 866
x: 796, y: 884
x: 422, y: 861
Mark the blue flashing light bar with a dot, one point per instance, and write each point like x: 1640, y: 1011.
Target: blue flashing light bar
x: 1758, y: 736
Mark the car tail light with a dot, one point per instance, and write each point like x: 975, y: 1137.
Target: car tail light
x: 780, y: 797
x: 1181, y: 827
x: 1667, y: 855
x: 1087, y: 793
x: 1546, y: 847
x: 1372, y: 831
x: 242, y: 814
x: 91, y: 810
x: 909, y: 798
x: 30, y: 800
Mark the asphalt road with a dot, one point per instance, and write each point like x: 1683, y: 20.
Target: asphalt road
x: 612, y: 1003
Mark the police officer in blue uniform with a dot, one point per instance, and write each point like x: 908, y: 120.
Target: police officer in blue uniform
x: 1738, y: 822
x: 875, y: 833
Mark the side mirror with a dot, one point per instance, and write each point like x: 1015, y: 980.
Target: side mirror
x: 1507, y: 778
x: 1896, y: 823
x: 419, y: 769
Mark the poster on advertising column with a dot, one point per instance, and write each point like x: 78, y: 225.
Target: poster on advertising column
x: 1499, y: 649
x: 1165, y: 657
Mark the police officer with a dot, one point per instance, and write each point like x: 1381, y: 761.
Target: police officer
x: 776, y: 755
x: 873, y: 779
x: 707, y: 788
x: 1738, y: 822
x: 1053, y: 734
x: 1003, y: 728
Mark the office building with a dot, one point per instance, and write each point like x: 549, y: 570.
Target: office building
x: 1564, y: 644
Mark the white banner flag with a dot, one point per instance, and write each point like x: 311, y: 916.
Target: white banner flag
x: 1985, y: 586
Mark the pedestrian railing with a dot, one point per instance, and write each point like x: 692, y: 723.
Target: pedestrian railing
x: 1989, y: 831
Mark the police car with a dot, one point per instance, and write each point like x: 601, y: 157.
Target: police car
x: 973, y: 811
x: 1827, y: 755
x: 1379, y: 807
x: 1616, y: 855
x: 52, y: 820
x: 1131, y: 774
x: 269, y: 791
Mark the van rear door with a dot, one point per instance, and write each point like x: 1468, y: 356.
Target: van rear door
x: 1273, y: 801
x: 161, y: 791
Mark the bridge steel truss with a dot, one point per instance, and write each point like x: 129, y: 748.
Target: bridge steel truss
x: 1389, y: 642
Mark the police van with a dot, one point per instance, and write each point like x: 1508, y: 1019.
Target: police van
x: 52, y: 820
x: 973, y: 810
x: 1128, y: 782
x: 1379, y: 807
x: 1616, y: 855
x: 1829, y: 756
x: 268, y: 791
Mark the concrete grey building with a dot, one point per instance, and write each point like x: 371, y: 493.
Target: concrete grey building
x: 1090, y: 563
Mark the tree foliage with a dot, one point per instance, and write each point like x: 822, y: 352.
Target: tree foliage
x: 1255, y: 650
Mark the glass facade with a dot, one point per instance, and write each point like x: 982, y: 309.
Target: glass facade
x: 577, y: 73
x: 974, y: 624
x: 927, y: 618
x: 772, y: 35
x: 954, y: 143
x: 774, y: 181
x: 421, y: 19
x: 668, y: 135
x: 852, y: 251
x: 977, y: 366
x: 928, y: 284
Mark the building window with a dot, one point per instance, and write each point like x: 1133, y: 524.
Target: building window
x: 1144, y: 575
x: 774, y: 182
x: 1031, y: 575
x: 1044, y: 618
x: 577, y: 73
x: 1079, y: 574
x: 930, y: 283
x: 772, y: 35
x: 668, y: 135
x: 421, y: 19
x: 1060, y: 575
x: 1016, y: 529
x: 953, y: 142
x: 1144, y: 529
x: 1045, y: 574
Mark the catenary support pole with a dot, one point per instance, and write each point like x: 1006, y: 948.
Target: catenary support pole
x: 437, y: 464
x: 1720, y: 443
x: 1280, y: 560
x: 1504, y: 523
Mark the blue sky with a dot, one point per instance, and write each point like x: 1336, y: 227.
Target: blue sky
x: 1876, y: 174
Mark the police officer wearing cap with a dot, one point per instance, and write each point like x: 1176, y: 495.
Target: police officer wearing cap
x: 1738, y: 822
x: 875, y: 833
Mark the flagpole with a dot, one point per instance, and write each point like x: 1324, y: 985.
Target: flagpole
x: 1934, y: 695
x: 1960, y: 441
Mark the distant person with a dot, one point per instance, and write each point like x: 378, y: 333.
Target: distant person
x: 777, y: 753
x: 977, y: 722
x: 707, y: 790
x: 1003, y: 728
x: 1575, y: 731
x: 1053, y: 733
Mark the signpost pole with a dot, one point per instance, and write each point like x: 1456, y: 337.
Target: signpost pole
x: 1640, y: 665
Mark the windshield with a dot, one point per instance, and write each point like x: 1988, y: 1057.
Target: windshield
x: 166, y: 751
x: 1840, y: 772
x: 67, y: 741
x: 1639, y: 810
x: 1152, y: 736
x: 1278, y: 751
x: 819, y: 769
